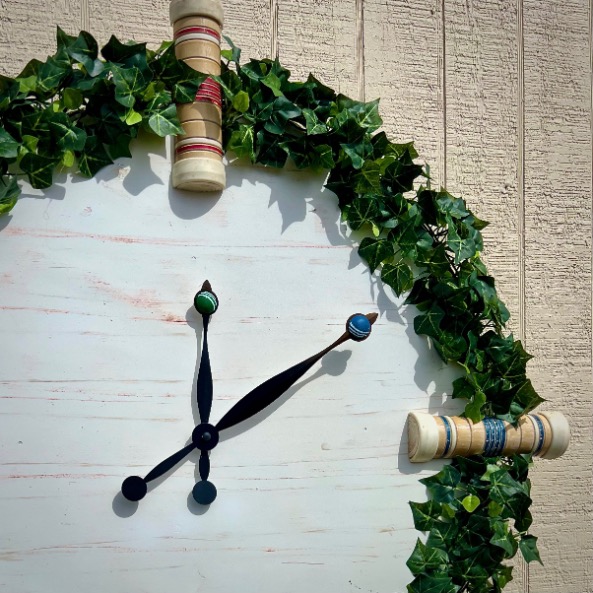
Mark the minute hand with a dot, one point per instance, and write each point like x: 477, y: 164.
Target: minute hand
x: 269, y: 391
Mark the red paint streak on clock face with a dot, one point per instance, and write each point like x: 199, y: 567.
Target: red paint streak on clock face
x: 143, y: 299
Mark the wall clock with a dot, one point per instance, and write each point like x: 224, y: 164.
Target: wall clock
x: 206, y: 436
x: 99, y: 381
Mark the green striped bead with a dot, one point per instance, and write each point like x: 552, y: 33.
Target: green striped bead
x: 205, y: 302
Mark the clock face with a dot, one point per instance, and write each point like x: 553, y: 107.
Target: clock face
x: 99, y: 372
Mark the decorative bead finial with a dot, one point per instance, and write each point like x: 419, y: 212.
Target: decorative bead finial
x: 205, y: 301
x: 359, y: 326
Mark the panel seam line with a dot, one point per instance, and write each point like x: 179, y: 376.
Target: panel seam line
x: 524, y: 566
x: 274, y: 45
x: 85, y: 17
x: 443, y: 89
x: 360, y: 62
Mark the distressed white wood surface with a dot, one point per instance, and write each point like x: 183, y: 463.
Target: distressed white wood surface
x: 99, y: 365
x: 449, y: 75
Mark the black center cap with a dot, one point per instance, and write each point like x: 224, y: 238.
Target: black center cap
x: 205, y: 437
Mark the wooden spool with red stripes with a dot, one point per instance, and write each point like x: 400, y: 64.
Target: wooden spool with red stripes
x: 197, y: 160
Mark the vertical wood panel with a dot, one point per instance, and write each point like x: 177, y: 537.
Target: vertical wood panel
x: 142, y: 20
x: 321, y: 37
x: 483, y: 119
x: 558, y: 277
x: 28, y: 30
x: 403, y: 61
x: 482, y: 152
x: 247, y: 23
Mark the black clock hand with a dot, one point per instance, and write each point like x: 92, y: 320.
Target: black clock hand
x: 358, y: 328
x: 134, y: 488
x: 204, y: 437
x: 205, y: 303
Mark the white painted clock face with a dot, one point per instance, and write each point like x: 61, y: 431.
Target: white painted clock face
x: 100, y: 357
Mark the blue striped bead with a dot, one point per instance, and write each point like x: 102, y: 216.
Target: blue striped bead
x: 542, y: 434
x: 495, y: 436
x: 447, y: 435
x: 359, y: 327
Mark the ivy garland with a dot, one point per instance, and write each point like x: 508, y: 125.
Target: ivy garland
x: 76, y: 108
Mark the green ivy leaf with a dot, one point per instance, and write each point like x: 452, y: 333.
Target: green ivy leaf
x: 165, y: 122
x: 502, y: 575
x: 82, y: 49
x: 314, y: 124
x: 128, y: 55
x: 241, y: 101
x: 470, y: 503
x: 443, y: 487
x: 273, y: 83
x: 429, y: 323
x: 68, y: 158
x: 425, y: 514
x: 232, y: 55
x: 53, y: 73
x: 425, y: 559
x: 509, y: 493
x: 129, y: 82
x: 268, y: 150
x: 120, y: 147
x: 432, y: 584
x: 473, y: 410
x: 444, y: 535
x: 503, y: 538
x: 282, y: 112
x: 39, y: 169
x: 366, y: 115
x: 9, y: 147
x: 133, y: 117
x: 462, y: 247
x: 528, y: 397
x: 241, y: 142
x: 66, y: 134
x: 399, y: 276
x: 9, y: 193
x: 528, y: 547
x: 72, y: 98
x: 187, y: 85
x: 375, y: 251
x: 93, y: 158
x: 361, y: 211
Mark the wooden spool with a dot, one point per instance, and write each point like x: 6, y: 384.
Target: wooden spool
x: 546, y: 434
x: 198, y: 166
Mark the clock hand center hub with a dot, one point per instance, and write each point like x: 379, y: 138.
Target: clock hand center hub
x: 205, y: 437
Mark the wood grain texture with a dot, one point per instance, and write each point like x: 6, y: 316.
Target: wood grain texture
x: 558, y: 277
x: 310, y: 32
x: 249, y: 24
x: 481, y: 115
x: 403, y: 67
x: 141, y: 20
x: 28, y: 30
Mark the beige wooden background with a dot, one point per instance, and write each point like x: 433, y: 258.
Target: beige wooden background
x: 497, y: 96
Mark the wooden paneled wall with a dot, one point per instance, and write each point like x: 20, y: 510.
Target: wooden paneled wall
x: 497, y: 96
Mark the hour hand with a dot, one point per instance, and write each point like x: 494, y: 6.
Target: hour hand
x: 358, y: 328
x: 135, y: 488
x: 206, y: 303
